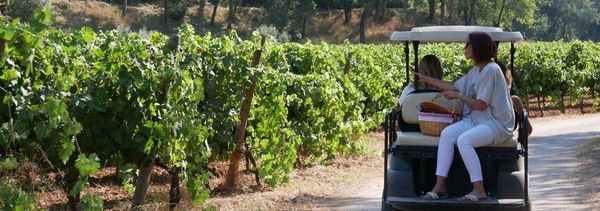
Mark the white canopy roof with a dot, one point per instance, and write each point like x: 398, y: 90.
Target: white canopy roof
x: 453, y: 34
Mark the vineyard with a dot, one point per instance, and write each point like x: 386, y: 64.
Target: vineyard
x: 73, y: 103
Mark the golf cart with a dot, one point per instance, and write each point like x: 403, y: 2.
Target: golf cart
x: 410, y: 156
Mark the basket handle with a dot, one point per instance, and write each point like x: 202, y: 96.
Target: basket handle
x: 453, y: 102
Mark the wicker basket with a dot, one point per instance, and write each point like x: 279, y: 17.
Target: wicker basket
x: 434, y: 117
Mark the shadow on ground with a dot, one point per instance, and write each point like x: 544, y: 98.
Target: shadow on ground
x: 555, y: 179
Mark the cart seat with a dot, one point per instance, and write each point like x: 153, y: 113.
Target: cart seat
x: 418, y: 139
x: 409, y: 114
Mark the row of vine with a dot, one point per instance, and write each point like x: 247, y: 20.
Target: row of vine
x: 76, y: 102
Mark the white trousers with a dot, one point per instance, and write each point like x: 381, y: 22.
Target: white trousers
x: 467, y: 136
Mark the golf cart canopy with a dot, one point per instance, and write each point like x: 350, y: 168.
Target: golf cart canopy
x: 453, y: 34
x: 419, y: 35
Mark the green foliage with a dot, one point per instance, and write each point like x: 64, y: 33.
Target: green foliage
x: 175, y: 9
x: 89, y: 202
x: 13, y: 198
x: 8, y: 164
x: 87, y: 165
x: 24, y: 9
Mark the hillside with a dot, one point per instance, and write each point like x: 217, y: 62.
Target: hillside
x: 326, y: 26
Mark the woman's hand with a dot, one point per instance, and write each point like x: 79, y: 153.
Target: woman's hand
x: 471, y: 102
x: 451, y: 94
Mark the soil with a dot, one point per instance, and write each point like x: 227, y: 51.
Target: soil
x: 550, y: 108
x: 309, y: 188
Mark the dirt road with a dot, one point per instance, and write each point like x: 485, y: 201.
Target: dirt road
x: 554, y: 180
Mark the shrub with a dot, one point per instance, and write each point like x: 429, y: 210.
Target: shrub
x: 24, y: 9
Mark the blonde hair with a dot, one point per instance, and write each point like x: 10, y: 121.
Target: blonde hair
x: 507, y: 75
x: 431, y: 66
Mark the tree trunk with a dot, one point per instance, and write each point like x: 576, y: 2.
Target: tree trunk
x: 450, y: 9
x: 4, y: 8
x: 431, y: 9
x: 497, y: 24
x: 124, y: 7
x: 540, y: 106
x: 466, y: 15
x: 380, y: 13
x: 200, y: 16
x: 562, y: 103
x: 363, y: 22
x: 231, y: 179
x: 304, y: 23
x: 231, y: 14
x: 347, y: 11
x: 472, y: 12
x: 442, y: 9
x: 214, y: 13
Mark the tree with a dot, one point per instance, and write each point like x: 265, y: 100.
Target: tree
x: 443, y: 9
x: 175, y: 9
x: 571, y: 19
x: 469, y: 16
x: 450, y: 4
x: 233, y: 7
x: 215, y: 4
x: 200, y: 24
x: 124, y: 7
x: 23, y: 9
x: 348, y: 11
x: 367, y: 8
x: 431, y: 9
x: 303, y: 13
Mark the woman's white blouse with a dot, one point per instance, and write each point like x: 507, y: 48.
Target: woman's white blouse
x: 489, y: 85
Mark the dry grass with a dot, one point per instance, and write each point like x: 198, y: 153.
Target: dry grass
x: 76, y: 14
x: 326, y: 26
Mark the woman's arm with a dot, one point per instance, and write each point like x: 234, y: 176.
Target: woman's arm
x: 471, y: 102
x: 444, y: 85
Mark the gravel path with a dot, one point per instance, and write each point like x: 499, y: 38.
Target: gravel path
x: 554, y: 184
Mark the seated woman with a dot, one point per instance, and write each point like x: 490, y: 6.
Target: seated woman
x: 488, y: 116
x: 430, y: 66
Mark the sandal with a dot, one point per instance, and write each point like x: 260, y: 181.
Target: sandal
x: 471, y: 198
x: 434, y: 196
